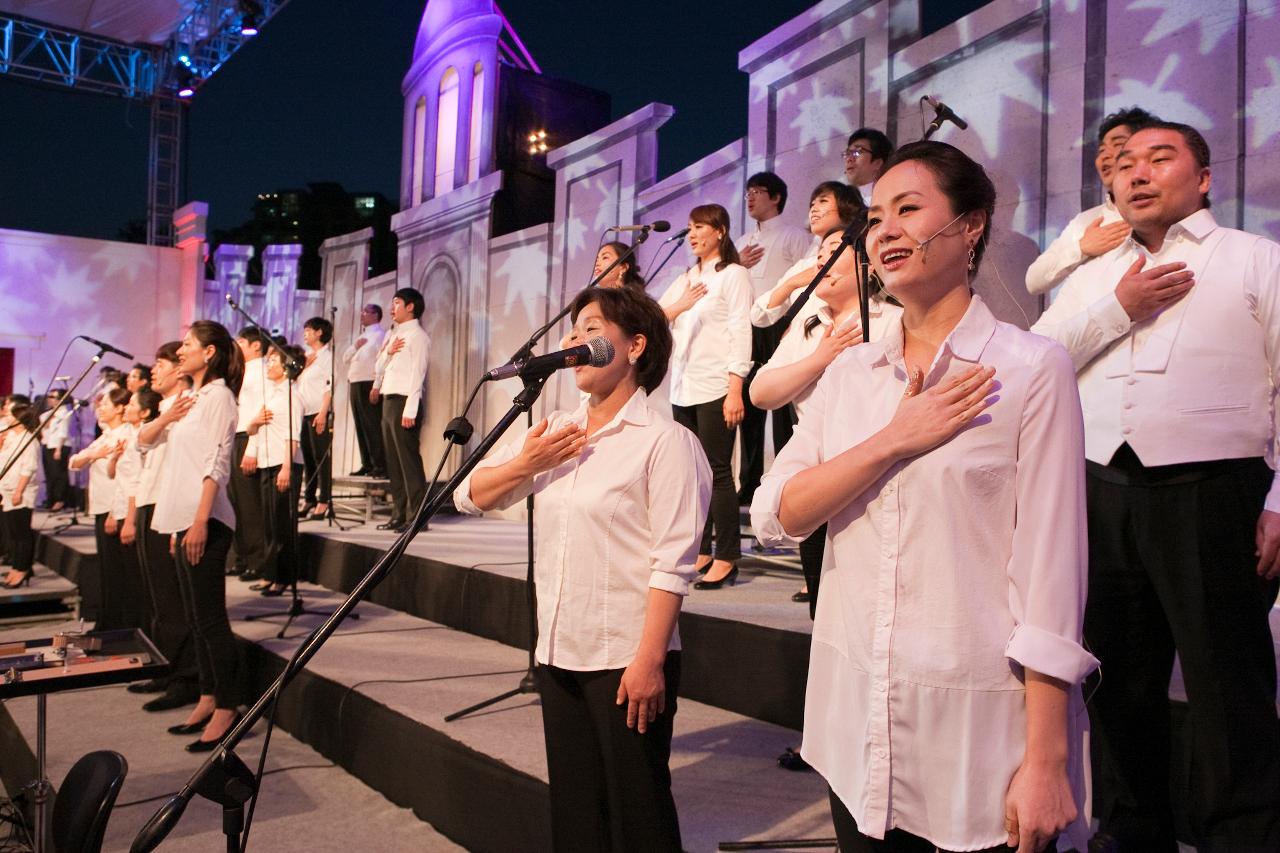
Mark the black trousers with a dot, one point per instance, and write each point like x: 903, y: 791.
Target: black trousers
x: 404, y: 459
x: 109, y: 604
x: 1172, y: 568
x: 895, y: 840
x: 246, y: 499
x: 204, y: 592
x: 707, y: 422
x: 751, y: 462
x: 281, y: 564
x: 812, y: 549
x: 169, y: 628
x: 56, y: 482
x: 317, y: 461
x: 22, y: 539
x: 610, y: 785
x: 367, y: 418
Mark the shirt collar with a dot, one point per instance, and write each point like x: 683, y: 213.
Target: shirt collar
x: 771, y: 224
x: 966, y: 341
x: 206, y: 386
x: 635, y: 411
x: 1195, y: 227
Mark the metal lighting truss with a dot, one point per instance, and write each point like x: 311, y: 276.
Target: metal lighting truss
x: 34, y: 51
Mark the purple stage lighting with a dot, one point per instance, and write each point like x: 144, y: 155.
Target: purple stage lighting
x: 186, y: 92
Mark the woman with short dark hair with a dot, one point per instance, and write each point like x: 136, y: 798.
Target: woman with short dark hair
x: 709, y: 307
x: 943, y: 703
x: 622, y: 496
x: 625, y: 274
x: 315, y: 395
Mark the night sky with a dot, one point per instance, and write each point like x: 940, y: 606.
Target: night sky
x: 316, y: 97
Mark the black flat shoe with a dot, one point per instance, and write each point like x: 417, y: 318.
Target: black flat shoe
x: 393, y: 524
x: 203, y: 745
x: 190, y: 728
x: 802, y: 597
x: 155, y: 685
x: 359, y: 472
x: 731, y: 578
x: 169, y: 700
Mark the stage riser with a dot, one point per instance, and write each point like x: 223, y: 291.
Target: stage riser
x: 80, y: 569
x: 456, y: 789
x: 749, y: 669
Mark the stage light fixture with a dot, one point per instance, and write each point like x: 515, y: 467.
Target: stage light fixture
x: 250, y: 17
x: 185, y: 80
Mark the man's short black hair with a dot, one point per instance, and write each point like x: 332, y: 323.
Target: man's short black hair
x: 411, y: 297
x: 880, y: 144
x: 772, y: 184
x: 322, y: 326
x: 375, y: 308
x: 1134, y: 118
x: 1194, y: 140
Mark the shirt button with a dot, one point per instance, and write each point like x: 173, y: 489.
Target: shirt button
x: 1119, y: 327
x: 882, y: 753
x: 1127, y: 430
x: 1128, y: 405
x: 884, y: 621
x: 1132, y: 380
x: 880, y: 687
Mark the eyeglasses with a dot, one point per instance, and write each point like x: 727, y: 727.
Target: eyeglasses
x: 855, y: 153
x: 754, y: 192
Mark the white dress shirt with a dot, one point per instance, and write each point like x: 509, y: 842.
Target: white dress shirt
x: 199, y: 449
x: 102, y: 489
x: 796, y: 346
x: 1064, y: 255
x: 948, y: 576
x: 249, y: 400
x: 128, y: 473
x: 152, y: 461
x: 622, y: 518
x: 404, y: 372
x: 783, y: 245
x: 362, y: 361
x: 865, y: 191
x: 761, y: 314
x: 56, y: 432
x: 27, y: 464
x: 273, y: 449
x: 1197, y: 382
x: 713, y: 338
x: 313, y: 383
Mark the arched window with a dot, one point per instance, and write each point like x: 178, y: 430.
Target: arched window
x: 446, y: 131
x: 477, y: 114
x: 419, y: 149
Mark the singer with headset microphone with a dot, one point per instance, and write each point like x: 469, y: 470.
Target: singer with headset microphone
x: 622, y: 497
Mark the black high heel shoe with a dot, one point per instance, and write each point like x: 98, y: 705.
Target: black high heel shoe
x: 23, y: 581
x: 274, y: 591
x: 731, y: 578
x: 190, y: 728
x: 702, y: 570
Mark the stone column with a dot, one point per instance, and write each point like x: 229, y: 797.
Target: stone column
x: 231, y: 264
x: 280, y: 282
x: 190, y: 227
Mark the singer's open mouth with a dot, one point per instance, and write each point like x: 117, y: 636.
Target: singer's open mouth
x: 894, y: 258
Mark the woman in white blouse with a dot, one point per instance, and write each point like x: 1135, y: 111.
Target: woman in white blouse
x: 280, y: 474
x: 102, y: 493
x: 125, y: 470
x: 943, y: 704
x: 709, y: 308
x: 622, y: 497
x: 192, y: 508
x: 812, y: 341
x: 55, y: 439
x: 18, y: 488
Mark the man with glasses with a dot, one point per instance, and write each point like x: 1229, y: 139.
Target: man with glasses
x: 864, y: 159
x: 768, y: 249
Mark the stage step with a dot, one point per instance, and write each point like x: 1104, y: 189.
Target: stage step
x: 47, y: 597
x: 374, y: 701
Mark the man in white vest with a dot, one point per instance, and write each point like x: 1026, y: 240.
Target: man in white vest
x: 1175, y: 334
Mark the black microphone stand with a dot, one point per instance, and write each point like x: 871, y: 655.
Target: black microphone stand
x: 223, y: 777
x: 460, y: 427
x: 292, y: 369
x: 72, y: 501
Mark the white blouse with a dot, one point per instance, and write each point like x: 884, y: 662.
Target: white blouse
x: 199, y: 448
x: 270, y: 446
x: 624, y: 517
x: 128, y: 473
x: 27, y: 464
x: 56, y: 432
x: 942, y: 581
x: 313, y: 383
x: 102, y: 489
x: 796, y: 346
x: 713, y: 338
x: 152, y: 462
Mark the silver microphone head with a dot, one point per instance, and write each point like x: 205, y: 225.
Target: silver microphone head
x: 601, y: 352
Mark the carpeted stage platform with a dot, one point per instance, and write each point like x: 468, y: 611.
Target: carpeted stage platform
x: 444, y: 634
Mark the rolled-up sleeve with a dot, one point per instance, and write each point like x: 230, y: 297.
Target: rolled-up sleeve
x: 802, y: 452
x: 737, y: 298
x: 678, y: 496
x: 1047, y: 574
x: 218, y: 435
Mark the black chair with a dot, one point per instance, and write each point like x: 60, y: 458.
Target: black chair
x: 83, y: 805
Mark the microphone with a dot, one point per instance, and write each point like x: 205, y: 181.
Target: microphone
x: 596, y: 352
x: 659, y: 226
x: 108, y: 347
x: 943, y: 113
x: 679, y: 235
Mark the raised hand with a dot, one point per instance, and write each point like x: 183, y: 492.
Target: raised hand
x: 543, y: 451
x: 1098, y: 239
x: 925, y: 419
x: 1145, y: 293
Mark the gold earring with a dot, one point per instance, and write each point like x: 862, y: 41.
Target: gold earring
x: 972, y: 259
